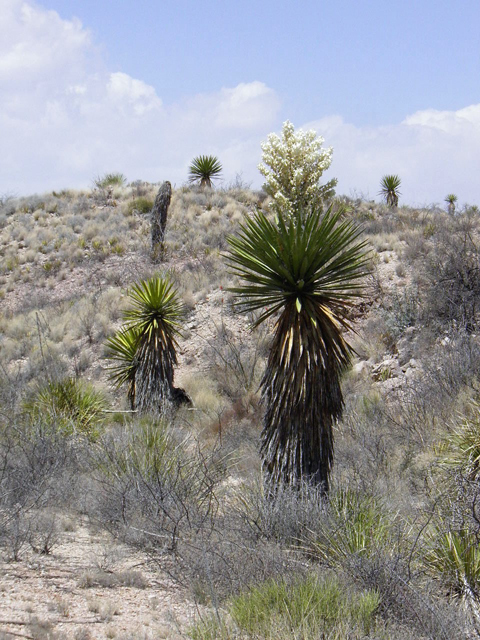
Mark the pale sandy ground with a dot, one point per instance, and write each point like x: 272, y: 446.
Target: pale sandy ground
x: 49, y: 596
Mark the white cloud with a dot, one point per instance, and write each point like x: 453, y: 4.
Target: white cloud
x: 434, y: 153
x: 247, y: 106
x: 142, y: 97
x: 64, y: 118
x: 38, y: 42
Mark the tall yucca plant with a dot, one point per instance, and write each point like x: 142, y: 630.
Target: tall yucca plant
x: 451, y: 200
x: 204, y: 169
x: 144, y: 350
x: 306, y: 271
x: 390, y: 189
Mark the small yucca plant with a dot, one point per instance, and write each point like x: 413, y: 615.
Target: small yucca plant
x: 460, y: 449
x: 70, y: 405
x: 358, y: 526
x: 204, y: 169
x: 451, y: 199
x: 144, y: 350
x: 390, y: 189
x: 454, y: 560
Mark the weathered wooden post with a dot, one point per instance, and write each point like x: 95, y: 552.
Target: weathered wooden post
x: 159, y: 220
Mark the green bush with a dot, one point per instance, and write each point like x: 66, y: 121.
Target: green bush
x: 110, y: 180
x: 454, y: 559
x: 142, y: 205
x: 306, y: 608
x: 357, y: 526
x: 69, y: 405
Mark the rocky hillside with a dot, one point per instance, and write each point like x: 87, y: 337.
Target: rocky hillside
x: 181, y: 493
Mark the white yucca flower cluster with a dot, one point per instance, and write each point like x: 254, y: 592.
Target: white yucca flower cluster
x: 293, y: 164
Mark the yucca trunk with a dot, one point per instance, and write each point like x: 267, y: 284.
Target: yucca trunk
x: 154, y: 374
x: 302, y: 397
x: 159, y: 220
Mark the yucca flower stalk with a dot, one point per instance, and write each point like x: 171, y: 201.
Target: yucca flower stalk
x: 293, y: 165
x: 145, y: 348
x: 390, y: 189
x: 306, y: 276
x: 204, y: 169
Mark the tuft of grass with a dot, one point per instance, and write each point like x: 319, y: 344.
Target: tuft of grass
x: 358, y: 526
x: 306, y: 608
x: 460, y: 449
x: 110, y: 180
x: 141, y: 205
x: 70, y: 405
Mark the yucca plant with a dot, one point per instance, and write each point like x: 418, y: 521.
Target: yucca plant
x: 204, y: 169
x: 358, y: 525
x: 390, y: 189
x: 144, y: 350
x: 454, y: 559
x: 122, y: 349
x: 70, y: 405
x: 460, y: 449
x: 306, y: 276
x: 451, y: 199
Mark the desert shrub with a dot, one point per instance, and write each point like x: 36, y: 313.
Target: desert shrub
x: 223, y: 559
x: 39, y: 468
x: 287, y: 517
x: 309, y: 608
x: 110, y: 180
x: 451, y: 369
x: 140, y: 204
x: 236, y: 365
x: 70, y: 405
x: 402, y: 311
x: 152, y: 489
x: 449, y: 276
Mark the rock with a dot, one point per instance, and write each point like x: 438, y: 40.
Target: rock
x: 389, y: 368
x: 406, y: 346
x: 362, y: 367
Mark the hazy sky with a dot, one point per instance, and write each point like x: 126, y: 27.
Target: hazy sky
x: 141, y: 87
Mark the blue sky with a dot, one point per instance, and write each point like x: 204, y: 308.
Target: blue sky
x: 141, y: 87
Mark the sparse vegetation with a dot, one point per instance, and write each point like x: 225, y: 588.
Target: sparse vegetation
x: 181, y: 492
x: 110, y: 180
